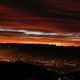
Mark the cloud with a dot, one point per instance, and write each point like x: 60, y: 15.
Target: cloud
x: 64, y: 13
x: 39, y: 33
x: 57, y: 19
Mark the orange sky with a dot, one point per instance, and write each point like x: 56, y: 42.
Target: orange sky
x: 33, y: 40
x: 47, y: 16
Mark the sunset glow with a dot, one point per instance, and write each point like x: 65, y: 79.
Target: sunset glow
x: 40, y: 22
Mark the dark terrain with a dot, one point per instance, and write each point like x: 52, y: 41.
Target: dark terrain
x: 70, y: 52
x: 24, y: 71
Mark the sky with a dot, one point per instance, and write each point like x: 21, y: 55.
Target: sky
x: 40, y: 22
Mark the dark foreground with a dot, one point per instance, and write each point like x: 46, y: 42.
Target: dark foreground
x: 24, y: 71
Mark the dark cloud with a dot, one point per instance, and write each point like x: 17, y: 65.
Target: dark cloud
x: 32, y: 6
x: 39, y: 8
x: 76, y: 1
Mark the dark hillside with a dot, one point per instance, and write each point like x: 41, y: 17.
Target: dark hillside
x: 24, y: 71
